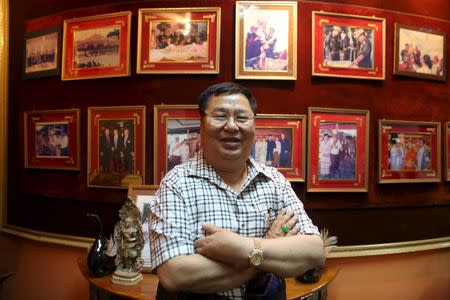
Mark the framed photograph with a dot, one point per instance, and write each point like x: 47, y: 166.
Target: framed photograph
x: 179, y: 40
x: 447, y: 151
x: 280, y: 143
x: 338, y: 153
x: 142, y: 197
x: 52, y: 139
x: 348, y: 46
x: 266, y: 40
x: 42, y: 53
x: 176, y: 137
x: 116, y: 146
x: 409, y: 151
x: 420, y: 52
x: 96, y: 46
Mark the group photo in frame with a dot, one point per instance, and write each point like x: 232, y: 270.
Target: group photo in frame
x: 179, y: 40
x: 420, y: 52
x: 176, y: 137
x: 338, y: 153
x: 409, y: 151
x: 142, y: 197
x: 280, y: 142
x: 42, y: 53
x: 52, y: 139
x: 116, y: 146
x: 96, y: 46
x: 349, y: 46
x: 266, y: 40
x: 447, y: 151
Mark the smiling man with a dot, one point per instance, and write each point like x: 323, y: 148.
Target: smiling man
x: 224, y: 226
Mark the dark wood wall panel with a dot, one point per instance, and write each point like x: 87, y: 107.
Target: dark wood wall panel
x: 57, y: 201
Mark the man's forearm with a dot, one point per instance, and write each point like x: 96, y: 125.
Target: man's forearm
x: 196, y: 273
x: 293, y: 255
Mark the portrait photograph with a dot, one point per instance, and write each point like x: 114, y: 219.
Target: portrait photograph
x: 176, y: 137
x: 348, y: 46
x: 142, y: 196
x: 42, y: 57
x: 338, y: 150
x: 96, y: 46
x: 280, y: 143
x: 447, y: 151
x: 420, y: 52
x: 409, y: 151
x: 179, y: 40
x: 52, y: 139
x: 116, y: 146
x: 266, y: 40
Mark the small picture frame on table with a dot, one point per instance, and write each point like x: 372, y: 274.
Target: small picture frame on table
x: 176, y: 137
x: 280, y: 142
x: 266, y: 40
x: 96, y: 46
x: 116, y: 146
x: 179, y: 40
x: 42, y: 53
x: 409, y: 151
x: 338, y: 152
x: 142, y: 197
x: 420, y: 52
x: 447, y: 151
x: 348, y: 46
x: 52, y: 139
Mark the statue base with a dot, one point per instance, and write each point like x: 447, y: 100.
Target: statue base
x: 126, y: 278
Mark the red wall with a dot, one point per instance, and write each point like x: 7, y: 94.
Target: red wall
x: 58, y: 201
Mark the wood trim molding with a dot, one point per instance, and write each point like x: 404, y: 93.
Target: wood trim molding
x: 390, y: 248
x: 4, y: 48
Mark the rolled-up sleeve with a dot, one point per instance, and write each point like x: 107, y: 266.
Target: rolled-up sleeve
x: 170, y: 226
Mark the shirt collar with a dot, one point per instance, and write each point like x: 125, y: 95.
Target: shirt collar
x: 201, y: 168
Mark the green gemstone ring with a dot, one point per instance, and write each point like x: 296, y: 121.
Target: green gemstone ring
x: 285, y: 228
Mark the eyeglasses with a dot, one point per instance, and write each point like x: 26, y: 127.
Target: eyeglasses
x: 222, y: 119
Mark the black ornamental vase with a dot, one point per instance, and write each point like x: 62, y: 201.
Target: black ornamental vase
x: 99, y: 263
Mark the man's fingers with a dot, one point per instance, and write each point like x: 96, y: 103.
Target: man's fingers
x: 209, y: 228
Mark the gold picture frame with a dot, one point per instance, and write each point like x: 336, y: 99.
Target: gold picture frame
x: 364, y: 53
x: 420, y: 52
x: 447, y: 151
x: 142, y: 196
x: 173, y: 124
x: 116, y: 146
x: 266, y: 40
x: 409, y: 151
x: 288, y: 131
x: 96, y: 46
x: 346, y: 132
x: 179, y: 40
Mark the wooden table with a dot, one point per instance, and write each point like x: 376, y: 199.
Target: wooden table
x: 103, y: 288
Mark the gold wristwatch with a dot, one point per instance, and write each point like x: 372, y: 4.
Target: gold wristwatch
x: 256, y: 257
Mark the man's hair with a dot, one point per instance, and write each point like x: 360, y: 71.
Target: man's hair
x: 225, y: 88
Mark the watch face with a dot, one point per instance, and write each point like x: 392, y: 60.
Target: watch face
x: 256, y: 259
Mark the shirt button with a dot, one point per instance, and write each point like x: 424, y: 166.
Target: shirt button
x: 243, y: 225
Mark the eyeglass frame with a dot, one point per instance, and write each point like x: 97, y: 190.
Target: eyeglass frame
x: 224, y: 119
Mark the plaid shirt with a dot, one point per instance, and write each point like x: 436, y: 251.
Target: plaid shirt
x: 193, y: 194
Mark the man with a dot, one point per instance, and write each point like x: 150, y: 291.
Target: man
x: 127, y: 151
x: 285, y: 155
x: 220, y: 219
x: 363, y: 51
x: 105, y: 150
x: 423, y: 157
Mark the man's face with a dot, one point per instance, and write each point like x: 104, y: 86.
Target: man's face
x: 232, y: 140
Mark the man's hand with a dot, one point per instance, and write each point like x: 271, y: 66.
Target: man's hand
x: 224, y: 246
x: 284, y: 218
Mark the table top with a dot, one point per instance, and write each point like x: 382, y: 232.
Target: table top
x: 146, y: 289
